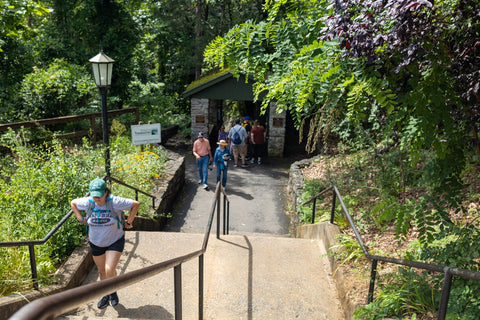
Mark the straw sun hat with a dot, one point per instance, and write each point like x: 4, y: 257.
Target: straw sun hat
x: 222, y: 143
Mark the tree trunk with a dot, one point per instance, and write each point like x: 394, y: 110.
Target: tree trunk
x: 198, y: 35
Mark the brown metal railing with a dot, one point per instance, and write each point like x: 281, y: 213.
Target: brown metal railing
x: 449, y: 272
x: 60, y: 303
x: 137, y: 191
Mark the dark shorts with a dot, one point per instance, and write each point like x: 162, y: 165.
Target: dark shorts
x: 116, y: 246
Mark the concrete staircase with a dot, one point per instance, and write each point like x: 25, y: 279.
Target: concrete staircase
x: 246, y: 277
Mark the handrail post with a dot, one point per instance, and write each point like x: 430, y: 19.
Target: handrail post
x: 373, y: 275
x: 33, y: 266
x: 332, y: 214
x: 313, y: 210
x: 200, y: 287
x: 224, y: 215
x: 447, y: 283
x: 136, y: 195
x: 217, y: 200
x: 153, y: 203
x: 228, y: 217
x: 177, y: 271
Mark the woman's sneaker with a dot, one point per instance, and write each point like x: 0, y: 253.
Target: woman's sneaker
x: 103, y: 303
x: 113, y: 299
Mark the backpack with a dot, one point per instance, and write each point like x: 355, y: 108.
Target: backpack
x: 236, y: 138
x: 91, y: 211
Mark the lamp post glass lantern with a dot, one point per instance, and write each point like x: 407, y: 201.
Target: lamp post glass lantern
x: 102, y: 66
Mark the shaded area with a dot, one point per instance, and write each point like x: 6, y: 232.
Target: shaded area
x: 257, y: 197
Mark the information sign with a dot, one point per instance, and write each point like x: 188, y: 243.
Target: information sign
x: 146, y: 133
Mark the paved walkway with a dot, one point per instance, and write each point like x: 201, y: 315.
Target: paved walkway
x: 257, y: 197
x: 246, y: 277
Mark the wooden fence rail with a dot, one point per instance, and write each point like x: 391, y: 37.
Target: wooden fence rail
x: 51, y: 121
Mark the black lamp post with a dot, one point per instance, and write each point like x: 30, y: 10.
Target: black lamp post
x: 102, y: 71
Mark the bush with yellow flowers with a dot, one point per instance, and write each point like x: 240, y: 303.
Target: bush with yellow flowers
x: 139, y: 169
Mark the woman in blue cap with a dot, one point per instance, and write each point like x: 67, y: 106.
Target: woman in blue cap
x: 105, y: 220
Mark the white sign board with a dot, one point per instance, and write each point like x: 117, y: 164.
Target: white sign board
x: 146, y: 133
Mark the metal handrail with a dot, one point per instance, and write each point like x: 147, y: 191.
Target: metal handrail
x: 449, y: 272
x: 137, y: 191
x: 31, y: 247
x: 60, y: 303
x: 32, y: 243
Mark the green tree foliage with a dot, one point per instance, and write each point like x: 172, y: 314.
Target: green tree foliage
x: 57, y: 90
x: 18, y: 25
x: 152, y: 42
x: 289, y: 64
x: 399, y: 75
x: 76, y: 30
x: 344, y: 66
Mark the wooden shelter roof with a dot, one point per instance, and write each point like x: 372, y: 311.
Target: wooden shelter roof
x: 221, y: 86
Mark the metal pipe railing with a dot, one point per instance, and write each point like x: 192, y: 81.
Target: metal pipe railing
x: 31, y: 247
x: 60, y: 303
x: 137, y: 191
x: 448, y: 271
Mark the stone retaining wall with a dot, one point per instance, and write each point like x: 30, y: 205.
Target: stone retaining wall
x: 295, y: 185
x: 76, y: 268
x: 166, y: 190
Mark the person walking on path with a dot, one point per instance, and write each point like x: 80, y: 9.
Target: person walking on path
x: 258, y: 137
x: 222, y: 134
x: 248, y: 127
x: 238, y: 135
x: 105, y: 220
x: 220, y: 161
x: 203, y: 155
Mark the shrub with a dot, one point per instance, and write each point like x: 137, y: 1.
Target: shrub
x: 61, y: 89
x: 36, y: 194
x: 38, y: 183
x: 138, y: 169
x: 403, y: 293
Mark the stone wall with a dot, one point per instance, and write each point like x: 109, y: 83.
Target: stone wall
x: 165, y: 190
x: 199, y: 116
x: 296, y: 182
x: 276, y: 134
x: 168, y: 132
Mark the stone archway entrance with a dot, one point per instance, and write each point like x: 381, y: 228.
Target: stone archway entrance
x: 206, y: 101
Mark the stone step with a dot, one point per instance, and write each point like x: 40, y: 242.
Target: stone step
x: 246, y: 277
